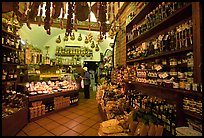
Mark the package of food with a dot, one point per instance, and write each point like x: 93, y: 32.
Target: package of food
x: 144, y: 130
x: 159, y: 130
x: 112, y: 129
x: 151, y: 131
x: 138, y: 129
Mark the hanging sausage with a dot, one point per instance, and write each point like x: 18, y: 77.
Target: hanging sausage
x: 82, y: 11
x: 47, y: 18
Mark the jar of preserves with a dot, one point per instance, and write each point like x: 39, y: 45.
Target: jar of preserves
x: 182, y: 83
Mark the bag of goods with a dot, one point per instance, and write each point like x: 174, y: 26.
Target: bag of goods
x: 159, y: 130
x: 132, y: 127
x: 144, y: 130
x: 151, y: 131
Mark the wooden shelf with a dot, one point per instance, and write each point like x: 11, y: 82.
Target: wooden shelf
x: 11, y: 125
x: 193, y: 114
x: 162, y: 55
x: 11, y: 48
x: 181, y: 91
x: 10, y: 64
x: 10, y: 33
x: 5, y: 81
x: 179, y: 15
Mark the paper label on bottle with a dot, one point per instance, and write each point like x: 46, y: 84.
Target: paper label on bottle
x: 165, y: 38
x: 144, y: 45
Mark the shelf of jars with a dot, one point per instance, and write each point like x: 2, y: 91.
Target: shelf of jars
x: 10, y: 33
x: 192, y: 107
x: 9, y: 47
x: 73, y: 51
x: 14, y: 109
x: 150, y: 27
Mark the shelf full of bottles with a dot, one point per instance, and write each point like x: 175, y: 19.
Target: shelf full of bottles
x: 157, y: 109
x: 166, y: 14
x: 175, y: 41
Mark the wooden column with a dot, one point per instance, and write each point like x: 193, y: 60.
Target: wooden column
x: 197, y: 41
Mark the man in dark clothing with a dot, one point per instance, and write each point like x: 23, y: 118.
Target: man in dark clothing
x: 86, y: 83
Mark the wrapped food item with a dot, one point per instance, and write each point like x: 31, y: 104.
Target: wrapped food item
x: 112, y: 129
x: 144, y: 130
x: 111, y: 122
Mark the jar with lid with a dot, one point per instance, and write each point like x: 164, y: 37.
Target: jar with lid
x: 168, y: 83
x: 188, y: 86
x: 173, y: 62
x: 176, y: 83
x: 182, y: 83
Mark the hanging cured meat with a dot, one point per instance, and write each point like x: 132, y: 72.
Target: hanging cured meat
x: 82, y: 11
x: 56, y: 9
x: 33, y: 12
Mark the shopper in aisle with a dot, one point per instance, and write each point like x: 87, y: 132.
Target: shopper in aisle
x: 86, y: 79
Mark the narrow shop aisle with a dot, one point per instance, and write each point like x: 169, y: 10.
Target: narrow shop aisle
x: 81, y: 120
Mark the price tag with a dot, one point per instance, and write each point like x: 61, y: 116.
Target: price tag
x: 164, y: 75
x: 158, y: 67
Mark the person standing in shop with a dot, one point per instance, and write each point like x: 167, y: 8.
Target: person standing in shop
x: 86, y: 79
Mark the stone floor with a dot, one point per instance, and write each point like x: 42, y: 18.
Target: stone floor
x: 80, y: 120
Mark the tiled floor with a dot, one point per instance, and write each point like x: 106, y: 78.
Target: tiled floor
x: 80, y: 120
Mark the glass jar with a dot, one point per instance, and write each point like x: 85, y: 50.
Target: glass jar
x: 195, y: 87
x: 187, y: 86
x: 182, y: 83
x: 173, y: 62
